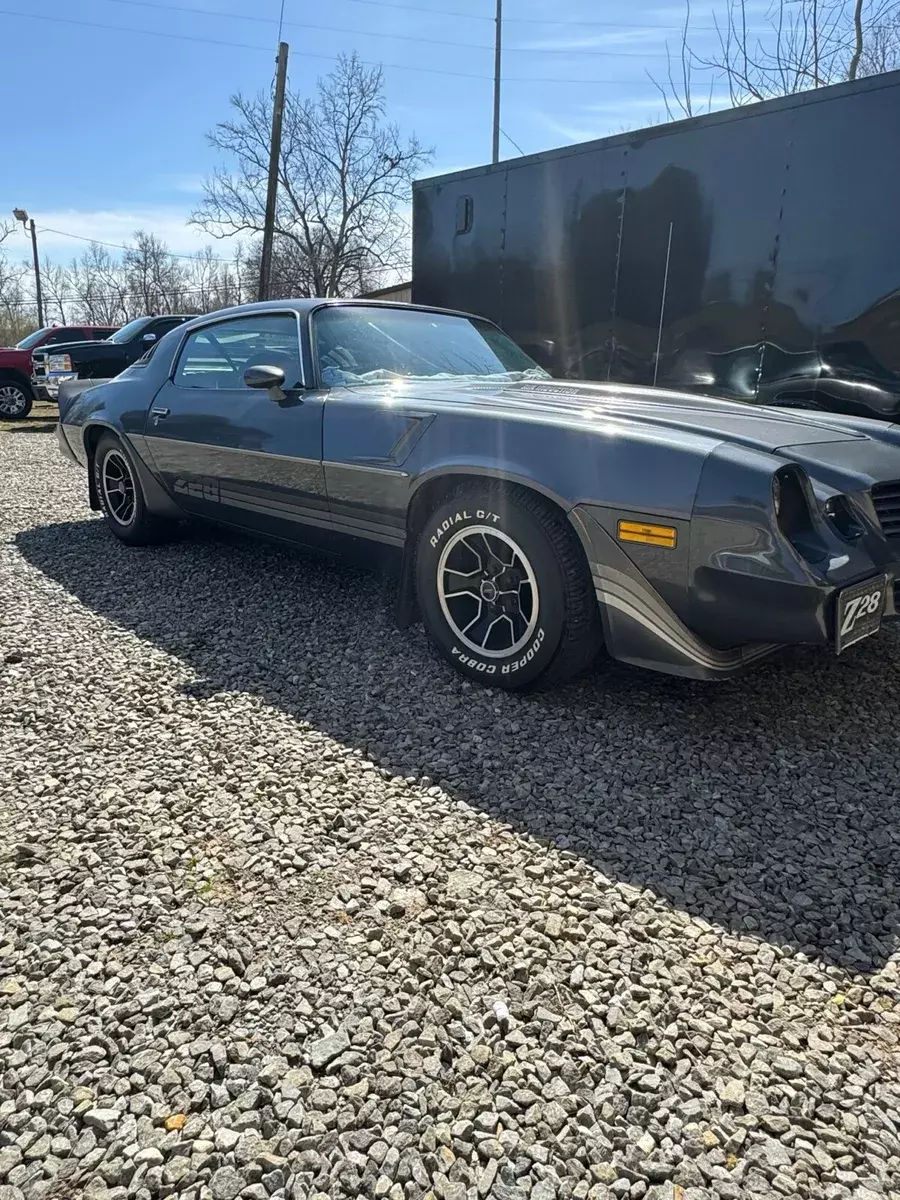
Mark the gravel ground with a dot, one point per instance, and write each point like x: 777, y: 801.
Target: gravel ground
x: 289, y: 911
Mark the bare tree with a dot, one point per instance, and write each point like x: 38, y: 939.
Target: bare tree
x: 102, y: 289
x: 15, y: 319
x: 804, y: 44
x: 154, y: 280
x: 98, y: 286
x: 344, y: 182
x: 217, y: 284
x: 55, y: 286
x: 880, y: 48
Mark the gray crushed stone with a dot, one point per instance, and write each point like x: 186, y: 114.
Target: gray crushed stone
x: 288, y: 911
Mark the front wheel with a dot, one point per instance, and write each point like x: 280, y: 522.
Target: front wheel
x: 503, y: 587
x: 16, y: 400
x: 121, y: 496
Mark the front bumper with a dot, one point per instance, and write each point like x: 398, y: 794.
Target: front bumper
x: 642, y: 629
x: 47, y: 386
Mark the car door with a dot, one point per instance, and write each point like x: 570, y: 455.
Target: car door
x: 241, y: 454
x: 66, y: 334
x: 369, y: 430
x: 151, y: 334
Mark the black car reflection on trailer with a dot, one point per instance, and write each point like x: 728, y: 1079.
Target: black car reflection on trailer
x: 753, y: 253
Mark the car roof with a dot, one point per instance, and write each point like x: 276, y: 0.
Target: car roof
x: 307, y: 305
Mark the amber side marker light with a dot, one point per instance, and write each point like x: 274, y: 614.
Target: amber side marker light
x: 650, y: 535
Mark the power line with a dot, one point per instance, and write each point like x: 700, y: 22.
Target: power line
x: 402, y: 37
x: 510, y: 140
x: 184, y: 37
x: 181, y: 37
x: 165, y: 293
x: 118, y: 246
x: 449, y: 12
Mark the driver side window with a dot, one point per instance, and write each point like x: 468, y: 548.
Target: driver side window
x: 64, y: 335
x: 216, y: 356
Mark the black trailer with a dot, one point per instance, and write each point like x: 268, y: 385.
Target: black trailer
x: 753, y: 253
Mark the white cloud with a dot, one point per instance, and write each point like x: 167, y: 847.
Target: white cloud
x: 63, y: 233
x: 703, y: 20
x: 591, y: 121
x: 593, y: 41
x: 639, y: 104
x: 570, y: 132
x: 450, y: 167
x: 191, y: 185
x: 628, y: 109
x: 701, y: 14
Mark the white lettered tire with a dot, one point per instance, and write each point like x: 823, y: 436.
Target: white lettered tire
x: 503, y: 587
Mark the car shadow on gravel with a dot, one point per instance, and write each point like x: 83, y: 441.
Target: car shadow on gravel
x: 767, y: 804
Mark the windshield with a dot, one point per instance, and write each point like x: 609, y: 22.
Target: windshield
x: 32, y: 339
x: 377, y: 345
x: 127, y: 332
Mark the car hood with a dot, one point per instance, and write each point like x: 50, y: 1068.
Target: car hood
x: 853, y: 466
x: 620, y: 407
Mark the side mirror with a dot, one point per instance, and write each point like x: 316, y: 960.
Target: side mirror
x: 148, y: 338
x: 271, y: 378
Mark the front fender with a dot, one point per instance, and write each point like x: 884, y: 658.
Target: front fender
x: 612, y: 473
x: 644, y: 471
x: 488, y: 468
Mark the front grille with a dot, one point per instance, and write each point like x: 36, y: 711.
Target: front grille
x: 886, y: 498
x: 39, y: 364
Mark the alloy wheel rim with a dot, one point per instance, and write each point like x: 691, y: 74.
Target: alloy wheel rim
x: 118, y: 487
x: 12, y: 400
x: 488, y: 591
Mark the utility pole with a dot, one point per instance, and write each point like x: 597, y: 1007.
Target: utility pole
x: 28, y: 224
x: 37, y: 274
x: 495, y: 156
x: 265, y: 266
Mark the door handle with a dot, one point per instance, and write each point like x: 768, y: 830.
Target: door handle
x: 159, y: 413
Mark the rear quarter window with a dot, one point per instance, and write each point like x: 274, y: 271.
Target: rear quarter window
x: 146, y: 356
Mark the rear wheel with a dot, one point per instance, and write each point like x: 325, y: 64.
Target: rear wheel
x: 503, y: 588
x: 16, y: 400
x: 122, y: 498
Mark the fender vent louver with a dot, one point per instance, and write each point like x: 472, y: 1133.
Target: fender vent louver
x: 886, y: 498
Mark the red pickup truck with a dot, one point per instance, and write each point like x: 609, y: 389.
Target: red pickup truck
x: 17, y: 389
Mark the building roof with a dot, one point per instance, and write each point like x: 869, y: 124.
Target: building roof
x: 406, y: 286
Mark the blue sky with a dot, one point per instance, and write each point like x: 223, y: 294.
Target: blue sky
x: 110, y: 125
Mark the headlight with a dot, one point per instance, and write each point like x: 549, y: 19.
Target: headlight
x: 790, y: 497
x: 792, y: 504
x: 59, y: 362
x: 839, y: 512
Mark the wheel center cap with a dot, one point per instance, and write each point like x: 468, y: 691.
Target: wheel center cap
x: 489, y: 591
